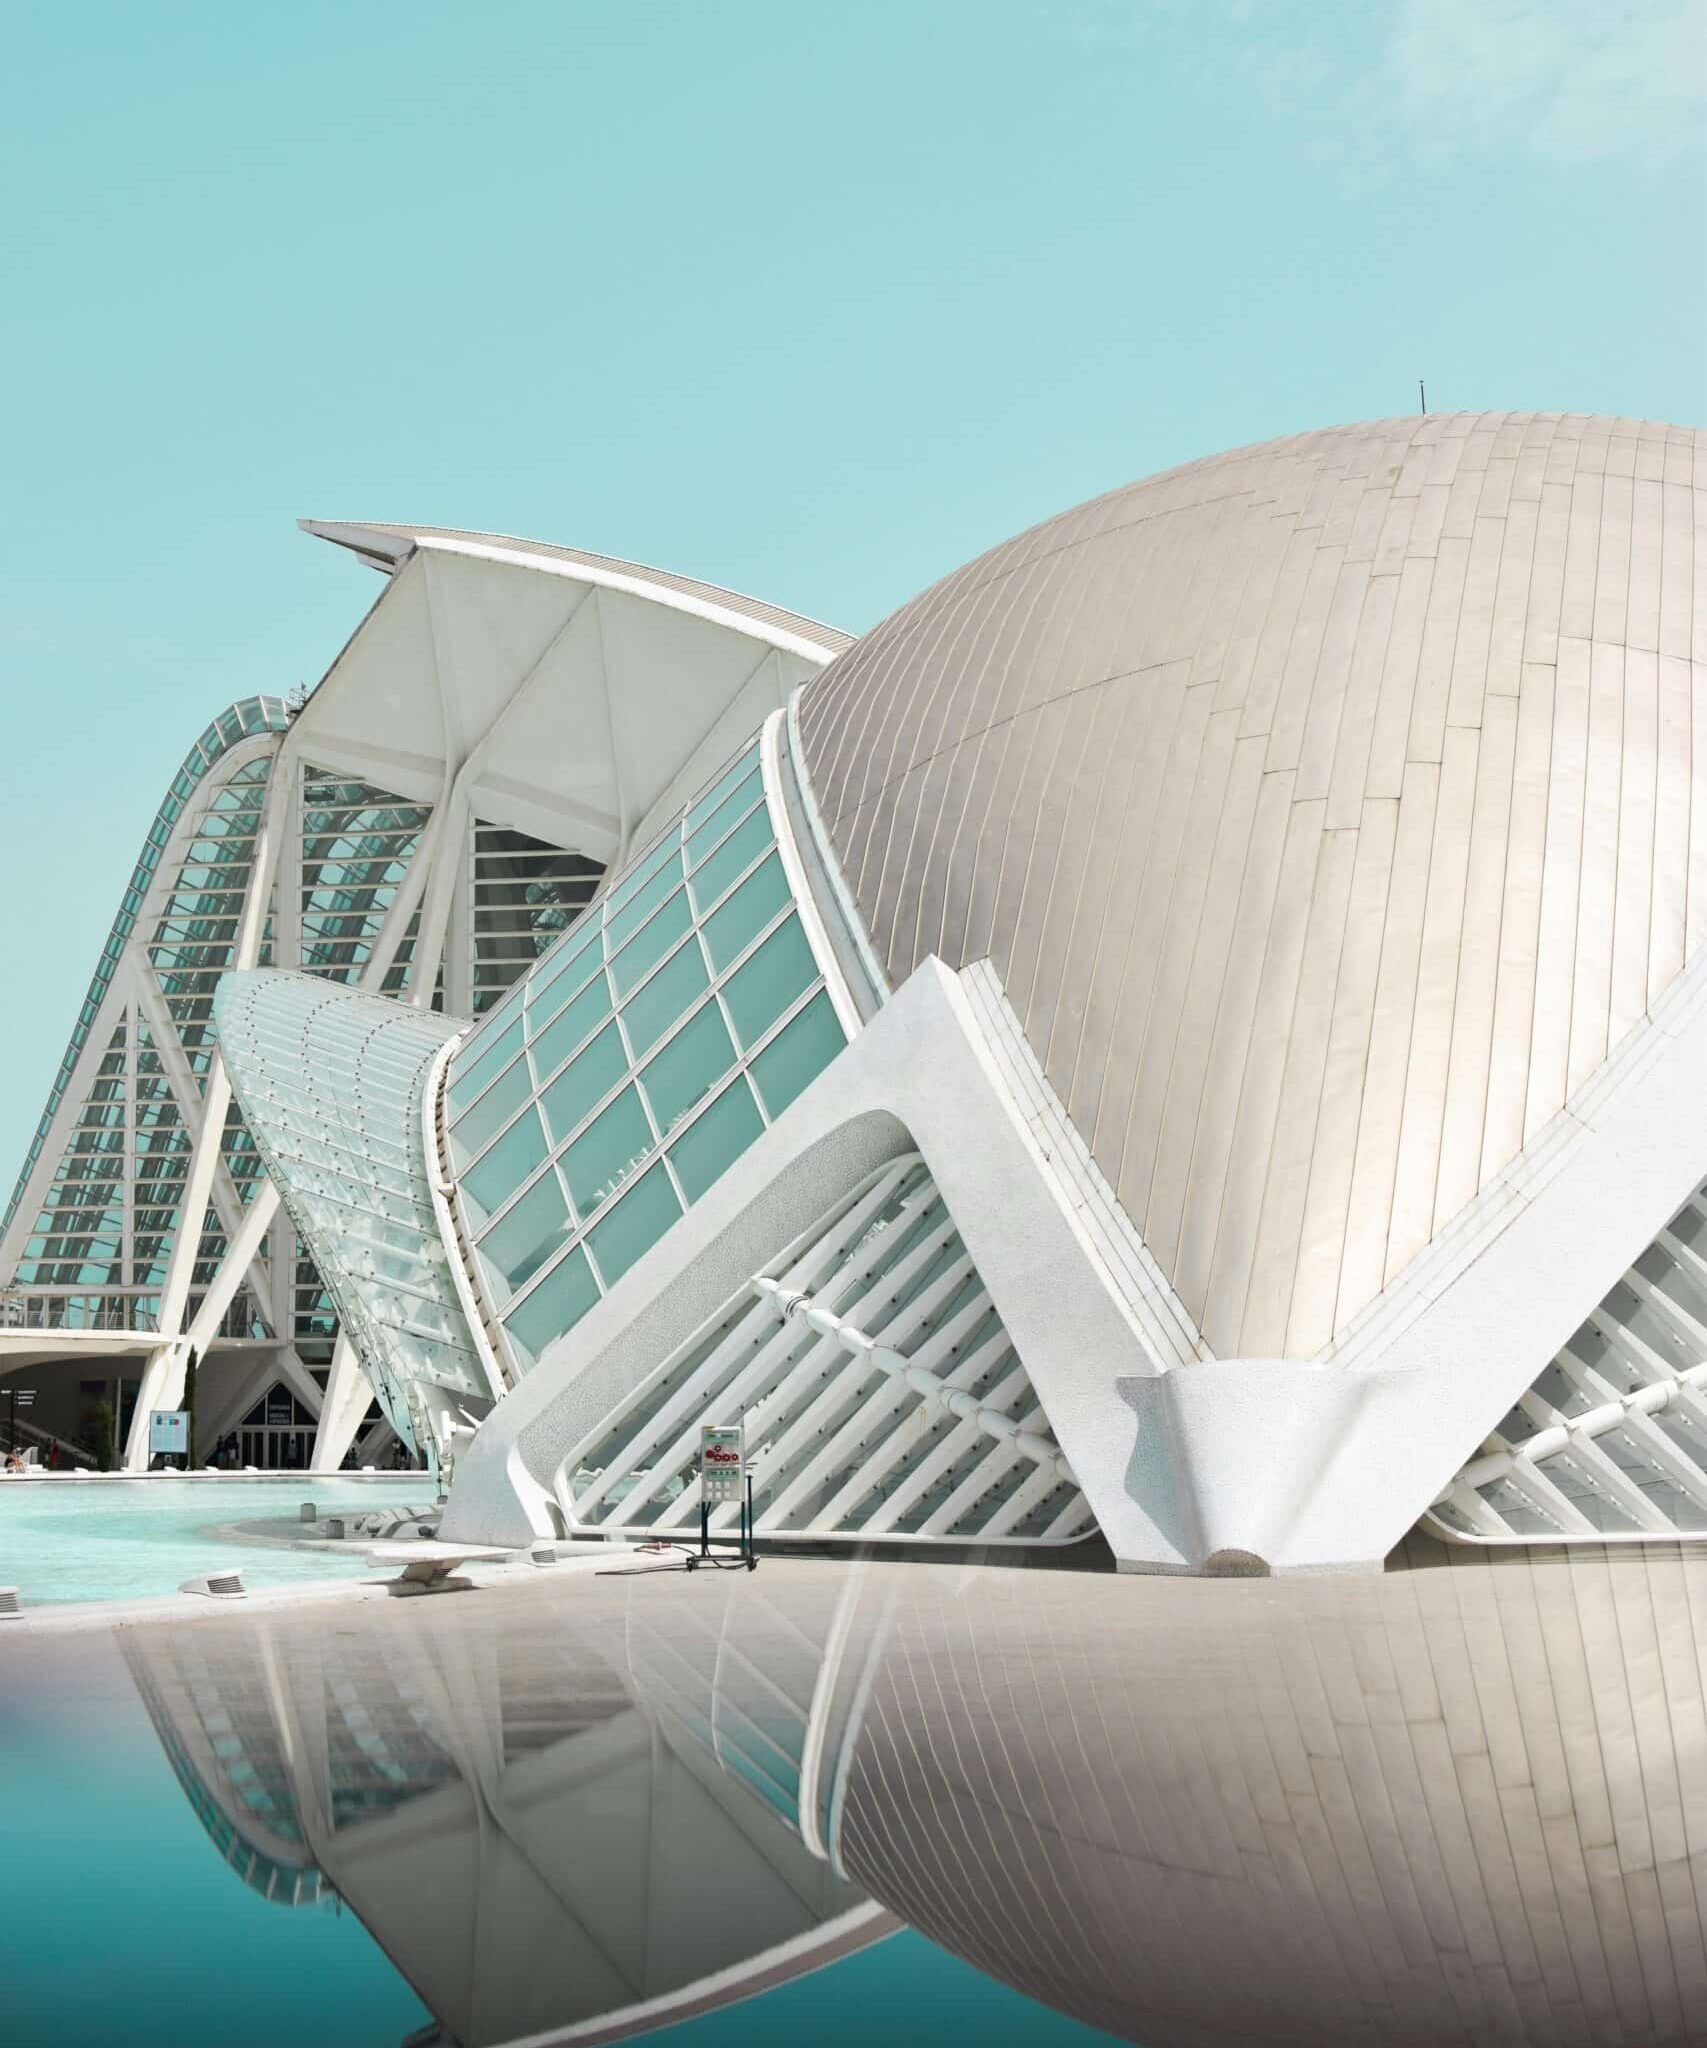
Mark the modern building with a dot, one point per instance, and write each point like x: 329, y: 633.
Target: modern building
x: 1188, y: 1032
x: 497, y: 731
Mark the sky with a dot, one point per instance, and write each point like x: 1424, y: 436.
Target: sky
x: 813, y: 301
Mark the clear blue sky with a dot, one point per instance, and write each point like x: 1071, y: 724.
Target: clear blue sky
x: 812, y: 300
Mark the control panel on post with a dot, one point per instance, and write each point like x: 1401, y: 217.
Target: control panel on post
x: 722, y: 1463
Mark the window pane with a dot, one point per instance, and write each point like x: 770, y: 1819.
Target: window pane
x: 498, y: 1175
x: 557, y: 1304
x: 516, y: 1248
x: 737, y: 771
x: 702, y: 838
x: 651, y: 1010
x: 635, y: 1224
x: 564, y: 972
x: 621, y: 922
x: 469, y: 1076
x: 737, y: 853
x: 693, y: 1062
x: 591, y: 1074
x: 716, y: 1139
x: 618, y: 1138
x: 799, y: 1053
x: 650, y: 943
x: 571, y: 1024
x: 779, y: 971
x: 490, y: 1114
x: 645, y: 866
x: 747, y: 912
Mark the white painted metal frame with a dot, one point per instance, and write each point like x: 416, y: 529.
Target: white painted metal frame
x: 881, y: 1394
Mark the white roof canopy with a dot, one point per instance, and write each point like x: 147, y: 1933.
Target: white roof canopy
x: 568, y: 695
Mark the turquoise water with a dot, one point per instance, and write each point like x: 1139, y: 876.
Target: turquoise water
x: 119, y: 1539
x: 119, y: 1921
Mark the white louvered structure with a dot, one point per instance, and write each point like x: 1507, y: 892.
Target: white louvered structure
x: 1610, y: 1443
x: 882, y: 1396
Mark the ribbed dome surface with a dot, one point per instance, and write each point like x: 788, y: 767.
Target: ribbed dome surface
x: 1328, y: 810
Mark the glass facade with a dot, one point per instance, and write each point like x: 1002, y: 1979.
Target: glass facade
x: 110, y: 1215
x: 640, y: 1057
x: 243, y: 721
x: 332, y: 1082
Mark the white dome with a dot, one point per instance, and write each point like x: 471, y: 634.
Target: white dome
x: 1329, y: 810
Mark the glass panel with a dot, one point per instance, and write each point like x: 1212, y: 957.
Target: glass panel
x: 618, y: 1138
x: 635, y: 1224
x: 800, y: 1052
x: 737, y: 770
x: 557, y: 1304
x: 650, y: 943
x: 716, y: 1139
x: 746, y: 914
x: 563, y: 972
x: 498, y: 1175
x: 591, y: 1075
x: 633, y: 912
x: 702, y: 838
x: 737, y: 853
x: 516, y: 1248
x: 645, y: 865
x: 489, y: 1115
x: 571, y: 1024
x: 651, y: 1010
x: 780, y: 970
x: 468, y: 1077
x: 693, y: 1062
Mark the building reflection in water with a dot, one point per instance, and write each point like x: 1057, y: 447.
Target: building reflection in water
x: 1462, y: 1802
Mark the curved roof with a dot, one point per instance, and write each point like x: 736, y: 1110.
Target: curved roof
x: 388, y: 547
x: 580, y: 698
x: 1327, y: 809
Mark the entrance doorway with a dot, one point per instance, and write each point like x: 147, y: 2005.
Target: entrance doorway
x: 277, y: 1434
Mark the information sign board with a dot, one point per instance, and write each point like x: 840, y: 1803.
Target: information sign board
x: 169, y: 1430
x: 722, y: 1463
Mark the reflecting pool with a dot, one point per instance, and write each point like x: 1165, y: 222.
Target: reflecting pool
x: 1457, y: 1803
x: 128, y: 1539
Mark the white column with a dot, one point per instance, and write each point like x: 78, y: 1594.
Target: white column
x: 347, y: 1400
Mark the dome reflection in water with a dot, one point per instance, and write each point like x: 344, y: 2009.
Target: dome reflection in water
x: 1464, y: 1802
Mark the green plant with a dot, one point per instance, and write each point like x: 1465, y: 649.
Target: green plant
x: 96, y: 1433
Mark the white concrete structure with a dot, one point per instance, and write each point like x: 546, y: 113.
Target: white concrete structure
x: 1191, y: 1029
x: 495, y: 733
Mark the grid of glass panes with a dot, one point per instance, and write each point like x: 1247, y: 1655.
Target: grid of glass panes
x: 635, y: 1063
x: 331, y: 1081
x: 79, y: 1234
x: 526, y: 895
x: 242, y: 721
x: 357, y: 842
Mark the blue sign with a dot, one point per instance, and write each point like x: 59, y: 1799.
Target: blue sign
x: 169, y: 1430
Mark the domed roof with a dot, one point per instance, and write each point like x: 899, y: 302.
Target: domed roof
x: 1327, y: 810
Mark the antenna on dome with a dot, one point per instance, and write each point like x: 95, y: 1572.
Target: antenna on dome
x: 1422, y: 397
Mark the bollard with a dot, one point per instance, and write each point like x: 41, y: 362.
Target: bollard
x: 335, y: 1527
x: 307, y: 1512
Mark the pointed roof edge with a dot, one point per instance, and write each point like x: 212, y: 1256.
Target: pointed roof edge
x: 387, y: 548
